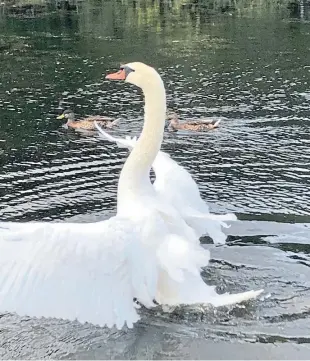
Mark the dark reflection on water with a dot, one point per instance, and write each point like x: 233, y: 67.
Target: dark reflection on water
x: 252, y: 70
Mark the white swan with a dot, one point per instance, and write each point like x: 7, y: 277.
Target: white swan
x: 175, y: 184
x: 91, y: 272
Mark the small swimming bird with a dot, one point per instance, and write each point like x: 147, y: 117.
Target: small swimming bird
x: 87, y: 123
x: 197, y: 125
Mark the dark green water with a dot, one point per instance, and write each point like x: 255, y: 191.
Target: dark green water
x: 252, y: 68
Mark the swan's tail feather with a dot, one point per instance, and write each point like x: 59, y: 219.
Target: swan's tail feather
x: 193, y: 290
x: 180, y: 281
x: 231, y: 299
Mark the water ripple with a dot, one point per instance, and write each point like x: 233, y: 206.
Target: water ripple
x: 249, y: 73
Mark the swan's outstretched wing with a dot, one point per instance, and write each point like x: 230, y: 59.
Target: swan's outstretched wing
x: 88, y: 272
x: 176, y: 185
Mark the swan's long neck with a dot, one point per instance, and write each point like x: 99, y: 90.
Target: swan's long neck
x: 134, y: 178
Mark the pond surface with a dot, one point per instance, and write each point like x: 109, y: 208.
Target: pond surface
x: 252, y: 69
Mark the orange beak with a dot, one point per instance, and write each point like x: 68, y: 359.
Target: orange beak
x: 120, y: 75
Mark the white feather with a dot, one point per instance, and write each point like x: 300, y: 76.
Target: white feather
x: 92, y: 272
x: 88, y: 272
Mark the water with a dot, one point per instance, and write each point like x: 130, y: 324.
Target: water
x: 252, y: 69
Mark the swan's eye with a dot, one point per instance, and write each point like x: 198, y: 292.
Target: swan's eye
x: 127, y: 69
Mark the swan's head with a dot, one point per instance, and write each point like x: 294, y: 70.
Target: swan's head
x: 138, y: 74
